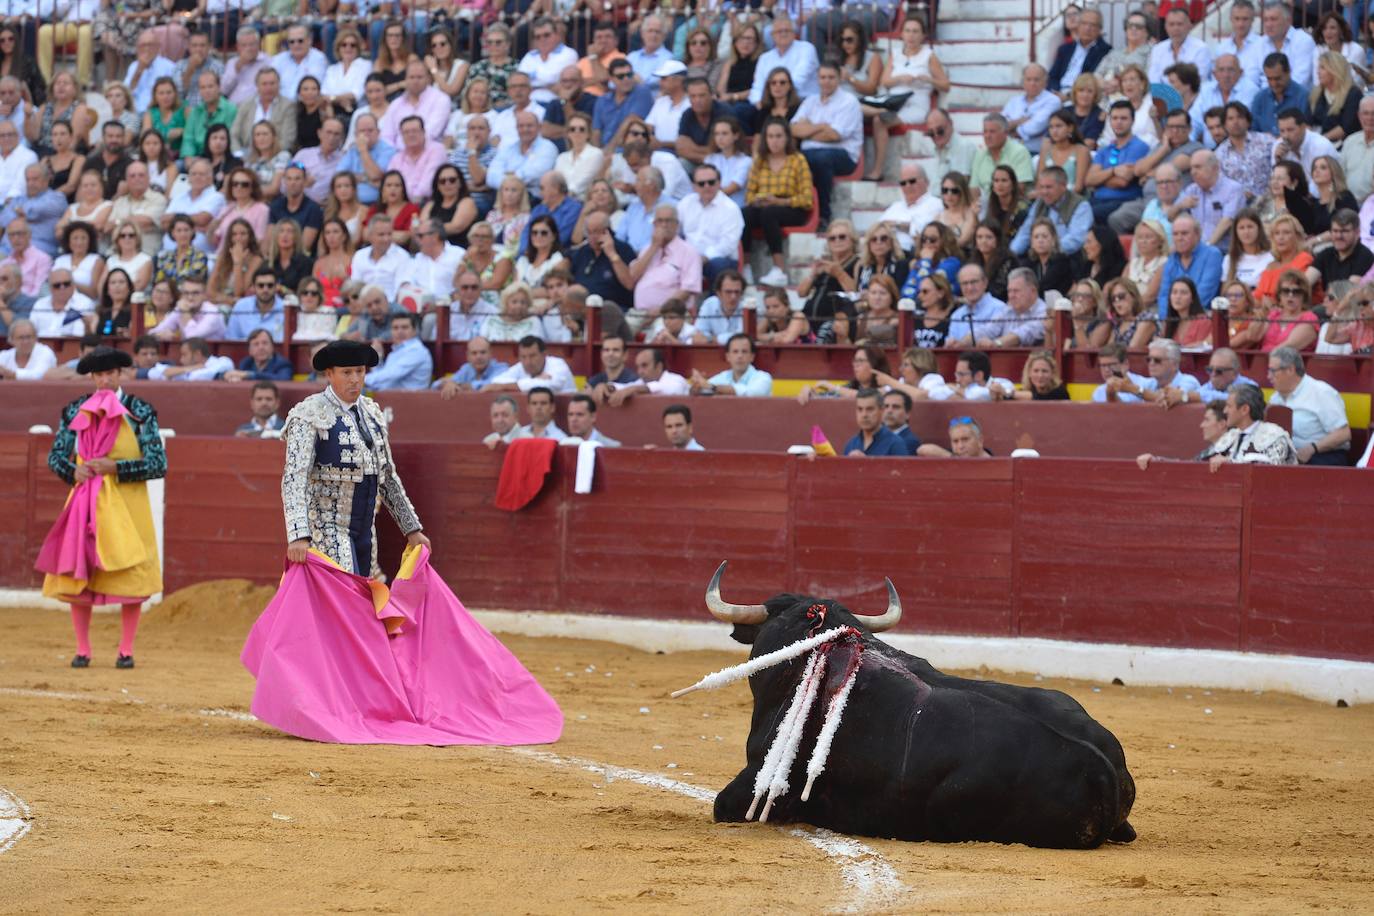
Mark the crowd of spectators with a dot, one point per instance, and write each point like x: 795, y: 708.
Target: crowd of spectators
x: 216, y: 165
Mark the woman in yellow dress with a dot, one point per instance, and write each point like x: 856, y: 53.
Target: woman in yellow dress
x: 102, y: 548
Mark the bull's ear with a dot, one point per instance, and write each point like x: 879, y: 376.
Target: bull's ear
x: 745, y: 633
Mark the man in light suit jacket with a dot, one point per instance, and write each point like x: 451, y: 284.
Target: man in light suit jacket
x: 268, y: 105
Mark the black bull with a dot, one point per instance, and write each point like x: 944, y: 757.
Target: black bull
x: 922, y: 755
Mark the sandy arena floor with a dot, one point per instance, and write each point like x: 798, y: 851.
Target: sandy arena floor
x: 150, y: 789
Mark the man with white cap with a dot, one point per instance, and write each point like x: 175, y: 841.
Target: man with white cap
x: 665, y: 117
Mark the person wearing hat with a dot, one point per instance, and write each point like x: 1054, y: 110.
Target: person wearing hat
x: 339, y: 467
x: 665, y: 118
x: 102, y: 548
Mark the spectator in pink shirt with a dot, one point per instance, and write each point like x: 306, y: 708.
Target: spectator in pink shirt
x: 669, y: 265
x: 432, y: 106
x: 34, y: 265
x: 418, y: 159
x: 193, y: 316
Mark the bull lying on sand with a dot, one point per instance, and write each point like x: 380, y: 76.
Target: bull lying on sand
x: 920, y: 755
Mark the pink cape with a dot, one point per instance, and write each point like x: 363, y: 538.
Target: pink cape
x: 327, y: 670
x: 70, y: 547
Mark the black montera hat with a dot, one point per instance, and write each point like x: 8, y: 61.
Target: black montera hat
x: 339, y: 353
x: 103, y: 359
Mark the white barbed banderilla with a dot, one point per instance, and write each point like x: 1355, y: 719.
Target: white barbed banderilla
x: 782, y: 753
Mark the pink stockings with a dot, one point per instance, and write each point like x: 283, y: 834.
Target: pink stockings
x: 81, y: 623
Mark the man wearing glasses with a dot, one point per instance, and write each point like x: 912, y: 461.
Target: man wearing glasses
x: 545, y: 61
x: 1167, y: 386
x: 1347, y: 259
x: 263, y: 309
x: 711, y: 223
x: 298, y: 61
x: 1321, y: 430
x: 61, y: 312
x: 1119, y: 383
x: 917, y: 208
x: 952, y: 151
x: 433, y: 266
x: 627, y: 97
x: 1223, y: 372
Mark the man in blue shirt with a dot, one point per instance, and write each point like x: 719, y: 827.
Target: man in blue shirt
x: 408, y: 365
x: 873, y: 438
x: 368, y: 157
x: 1112, y: 174
x: 555, y: 202
x: 627, y: 97
x: 1192, y: 259
x: 1223, y: 371
x: 741, y: 379
x: 1118, y: 381
x: 968, y: 322
x: 263, y: 309
x: 652, y: 54
x: 1280, y: 93
x: 476, y: 373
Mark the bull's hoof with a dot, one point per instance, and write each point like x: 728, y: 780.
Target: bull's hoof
x: 1124, y: 833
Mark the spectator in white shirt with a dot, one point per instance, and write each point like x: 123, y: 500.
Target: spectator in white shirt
x: 665, y: 118
x: 654, y: 378
x: 195, y: 364
x: 433, y: 267
x: 1279, y: 37
x: 200, y: 201
x: 381, y: 263
x: 1245, y: 46
x: 1180, y: 47
x: 535, y: 369
x: 14, y: 159
x: 1301, y: 145
x: 503, y: 123
x: 830, y: 126
x: 1321, y: 428
x: 148, y: 67
x: 916, y: 209
x: 63, y: 312
x: 711, y: 222
x: 1028, y: 114
x: 298, y: 61
x: 26, y: 359
x: 546, y: 59
x: 796, y: 57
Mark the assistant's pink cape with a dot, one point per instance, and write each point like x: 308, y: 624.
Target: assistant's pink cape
x: 328, y: 671
x: 70, y: 547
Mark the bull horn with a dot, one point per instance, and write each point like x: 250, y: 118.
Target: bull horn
x: 732, y: 613
x: 877, y: 623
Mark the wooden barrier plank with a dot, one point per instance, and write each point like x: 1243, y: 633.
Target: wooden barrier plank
x: 1108, y: 552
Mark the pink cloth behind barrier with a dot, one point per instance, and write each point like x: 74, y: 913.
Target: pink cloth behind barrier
x: 327, y: 670
x: 70, y: 547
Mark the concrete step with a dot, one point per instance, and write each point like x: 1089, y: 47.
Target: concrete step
x: 1004, y: 74
x: 1005, y: 10
x: 983, y: 30
x: 982, y: 95
x: 958, y: 55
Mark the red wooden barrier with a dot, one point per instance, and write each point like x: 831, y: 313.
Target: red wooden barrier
x: 1261, y: 559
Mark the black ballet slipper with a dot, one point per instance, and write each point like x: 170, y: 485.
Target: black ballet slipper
x: 124, y: 661
x: 81, y: 661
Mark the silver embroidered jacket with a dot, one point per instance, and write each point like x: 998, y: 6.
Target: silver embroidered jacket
x: 334, y: 482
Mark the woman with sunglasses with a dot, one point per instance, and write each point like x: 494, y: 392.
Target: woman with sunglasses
x: 736, y: 77
x: 126, y: 254
x: 781, y: 193
x: 959, y: 214
x: 79, y: 255
x: 448, y: 70
x: 542, y: 252
x: 831, y: 277
x: 1187, y: 323
x: 238, y: 260
x: 937, y: 252
x: 389, y: 63
x: 316, y: 321
x: 115, y: 312
x: 633, y: 129
x: 496, y: 64
x: 991, y: 253
x: 393, y: 201
x: 1006, y: 206
x: 882, y: 257
x: 700, y: 56
x: 451, y: 204
x: 780, y: 99
x: 1091, y: 329
x: 244, y: 203
x: 1292, y: 323
x: 333, y: 260
x: 1132, y: 316
x: 861, y: 73
x: 346, y: 80
x: 1351, y: 328
x: 581, y: 163
x: 342, y: 203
